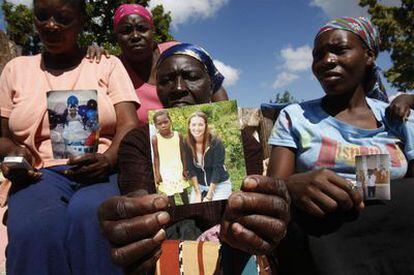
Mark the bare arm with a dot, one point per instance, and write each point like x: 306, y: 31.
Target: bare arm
x: 282, y: 162
x: 183, y: 157
x: 156, y: 160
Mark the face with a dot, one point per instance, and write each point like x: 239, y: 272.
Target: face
x: 135, y: 37
x: 340, y: 61
x: 163, y: 124
x: 182, y: 80
x: 58, y: 23
x: 197, y: 126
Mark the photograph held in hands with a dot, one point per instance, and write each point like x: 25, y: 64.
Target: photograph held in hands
x: 73, y: 122
x: 197, y: 152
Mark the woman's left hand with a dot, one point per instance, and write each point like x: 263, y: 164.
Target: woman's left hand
x: 255, y: 219
x: 89, y: 168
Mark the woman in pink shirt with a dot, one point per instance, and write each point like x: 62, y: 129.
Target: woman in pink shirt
x: 52, y: 224
x: 134, y: 28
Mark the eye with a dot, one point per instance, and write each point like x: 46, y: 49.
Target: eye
x: 64, y: 19
x: 41, y: 15
x: 125, y: 29
x: 165, y: 79
x: 191, y: 75
x: 142, y: 28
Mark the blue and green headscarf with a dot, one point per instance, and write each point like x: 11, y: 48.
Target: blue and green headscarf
x: 363, y: 28
x: 201, y: 55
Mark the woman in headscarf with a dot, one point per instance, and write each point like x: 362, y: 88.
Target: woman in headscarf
x: 134, y: 28
x: 314, y: 149
x: 254, y: 219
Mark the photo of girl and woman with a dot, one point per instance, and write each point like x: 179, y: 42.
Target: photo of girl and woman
x: 373, y: 176
x: 73, y: 122
x: 197, y: 152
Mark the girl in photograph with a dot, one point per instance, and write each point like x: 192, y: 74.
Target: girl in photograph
x: 205, y: 157
x: 169, y: 159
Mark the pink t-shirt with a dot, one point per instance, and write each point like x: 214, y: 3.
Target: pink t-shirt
x: 23, y: 87
x: 146, y: 92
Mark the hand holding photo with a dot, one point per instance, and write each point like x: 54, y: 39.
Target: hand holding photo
x: 373, y: 176
x: 197, y: 152
x: 73, y: 121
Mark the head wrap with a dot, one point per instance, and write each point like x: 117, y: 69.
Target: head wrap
x: 363, y: 28
x: 128, y: 9
x: 201, y: 55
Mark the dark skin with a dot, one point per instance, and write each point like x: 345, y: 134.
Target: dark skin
x: 341, y: 64
x: 136, y: 38
x: 59, y: 24
x: 255, y: 218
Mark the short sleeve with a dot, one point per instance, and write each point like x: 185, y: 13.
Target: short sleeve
x: 282, y: 133
x: 120, y: 87
x: 6, y: 94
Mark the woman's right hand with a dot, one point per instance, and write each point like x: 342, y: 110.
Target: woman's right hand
x: 320, y: 192
x: 94, y: 52
x: 20, y: 175
x: 133, y: 224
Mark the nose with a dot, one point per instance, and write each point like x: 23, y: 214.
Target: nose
x: 329, y: 59
x: 180, y: 84
x: 51, y: 24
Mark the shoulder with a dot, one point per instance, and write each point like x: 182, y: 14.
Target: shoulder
x: 297, y: 111
x: 166, y: 45
x: 23, y: 63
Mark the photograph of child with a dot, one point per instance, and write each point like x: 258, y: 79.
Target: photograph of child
x: 197, y: 152
x: 373, y: 176
x: 73, y: 120
x: 169, y: 158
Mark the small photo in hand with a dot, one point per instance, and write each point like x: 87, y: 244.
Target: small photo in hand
x: 197, y: 152
x: 373, y: 176
x: 73, y: 122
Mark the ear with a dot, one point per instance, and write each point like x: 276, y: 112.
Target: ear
x: 370, y: 55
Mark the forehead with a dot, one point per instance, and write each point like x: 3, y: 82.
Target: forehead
x: 197, y: 119
x: 334, y: 37
x: 133, y: 19
x: 178, y: 62
x: 161, y: 117
x: 60, y: 5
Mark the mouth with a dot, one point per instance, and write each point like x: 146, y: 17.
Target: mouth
x: 330, y: 77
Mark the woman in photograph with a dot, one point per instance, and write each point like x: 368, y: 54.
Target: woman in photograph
x: 52, y: 224
x: 134, y: 28
x: 206, y: 157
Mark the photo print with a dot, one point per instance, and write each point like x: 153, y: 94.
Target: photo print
x: 74, y: 123
x: 197, y: 152
x: 373, y: 176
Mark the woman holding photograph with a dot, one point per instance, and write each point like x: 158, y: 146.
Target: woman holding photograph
x: 52, y: 224
x: 252, y: 220
x: 205, y: 157
x: 314, y: 149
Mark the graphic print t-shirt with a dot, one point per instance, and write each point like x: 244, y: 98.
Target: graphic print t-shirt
x: 322, y: 141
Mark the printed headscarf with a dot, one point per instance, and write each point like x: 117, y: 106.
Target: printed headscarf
x: 363, y: 28
x: 128, y: 9
x: 201, y: 55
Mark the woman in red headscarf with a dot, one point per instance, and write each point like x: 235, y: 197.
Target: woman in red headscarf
x: 134, y: 28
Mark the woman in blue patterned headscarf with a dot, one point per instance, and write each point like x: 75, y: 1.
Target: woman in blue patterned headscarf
x: 201, y: 55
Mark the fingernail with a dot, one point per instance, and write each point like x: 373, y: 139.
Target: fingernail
x: 250, y: 183
x: 160, y: 236
x: 236, y: 202
x: 163, y: 218
x: 160, y: 203
x: 237, y: 228
x: 361, y: 205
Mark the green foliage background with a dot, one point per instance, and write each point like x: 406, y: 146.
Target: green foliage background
x: 222, y: 122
